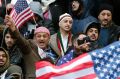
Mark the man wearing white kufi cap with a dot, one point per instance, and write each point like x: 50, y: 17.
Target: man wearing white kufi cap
x: 62, y: 39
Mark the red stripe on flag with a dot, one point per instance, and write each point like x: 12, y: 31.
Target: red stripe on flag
x: 43, y: 64
x: 91, y: 76
x: 68, y: 72
x: 22, y: 13
x: 22, y: 17
x: 45, y: 70
x: 23, y: 21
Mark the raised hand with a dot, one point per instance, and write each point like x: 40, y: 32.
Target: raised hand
x: 9, y: 23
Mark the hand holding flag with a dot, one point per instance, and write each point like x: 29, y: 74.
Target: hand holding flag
x: 21, y: 13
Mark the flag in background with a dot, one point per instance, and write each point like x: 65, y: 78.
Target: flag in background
x: 14, y: 1
x: 99, y: 64
x: 0, y: 3
x: 21, y: 13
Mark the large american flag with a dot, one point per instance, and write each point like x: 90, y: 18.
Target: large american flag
x: 21, y: 13
x: 99, y: 64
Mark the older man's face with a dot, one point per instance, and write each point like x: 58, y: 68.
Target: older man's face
x: 42, y: 39
x: 105, y: 18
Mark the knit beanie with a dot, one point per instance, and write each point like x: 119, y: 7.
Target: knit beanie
x: 94, y: 25
x: 42, y: 30
x: 63, y: 16
x: 105, y: 7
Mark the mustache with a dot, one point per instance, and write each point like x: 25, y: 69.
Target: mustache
x: 105, y: 20
x: 1, y: 60
x: 9, y: 42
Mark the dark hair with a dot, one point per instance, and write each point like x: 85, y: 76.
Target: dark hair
x: 77, y: 13
x: 8, y: 31
x: 105, y: 6
x: 80, y: 1
x: 94, y: 25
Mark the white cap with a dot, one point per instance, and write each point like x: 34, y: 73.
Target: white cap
x: 63, y: 16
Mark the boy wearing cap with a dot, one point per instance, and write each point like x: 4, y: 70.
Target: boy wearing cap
x: 32, y: 50
x: 62, y: 39
x: 108, y: 28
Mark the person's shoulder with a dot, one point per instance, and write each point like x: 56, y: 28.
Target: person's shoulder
x: 53, y: 36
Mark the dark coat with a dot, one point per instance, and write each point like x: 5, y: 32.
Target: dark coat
x: 14, y: 52
x: 30, y: 54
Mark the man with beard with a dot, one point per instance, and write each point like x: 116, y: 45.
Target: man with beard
x: 93, y: 31
x: 9, y: 44
x: 108, y: 28
x: 33, y: 50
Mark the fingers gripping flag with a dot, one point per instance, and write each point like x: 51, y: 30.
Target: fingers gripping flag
x: 99, y: 64
x: 21, y: 13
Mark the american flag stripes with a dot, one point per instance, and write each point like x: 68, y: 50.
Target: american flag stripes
x: 99, y: 64
x: 21, y: 13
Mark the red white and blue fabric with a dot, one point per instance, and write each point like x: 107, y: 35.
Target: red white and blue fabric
x: 21, y: 13
x: 68, y: 57
x: 99, y: 64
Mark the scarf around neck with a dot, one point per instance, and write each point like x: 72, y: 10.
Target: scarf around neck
x: 60, y: 42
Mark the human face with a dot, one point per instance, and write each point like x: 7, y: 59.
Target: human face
x: 9, y: 41
x: 3, y: 58
x: 66, y: 24
x: 42, y: 39
x: 93, y: 34
x: 105, y: 17
x: 75, y: 5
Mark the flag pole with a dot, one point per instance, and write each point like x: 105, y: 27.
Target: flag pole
x: 6, y: 6
x: 35, y: 21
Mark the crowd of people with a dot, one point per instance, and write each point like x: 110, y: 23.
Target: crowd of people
x: 57, y: 31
